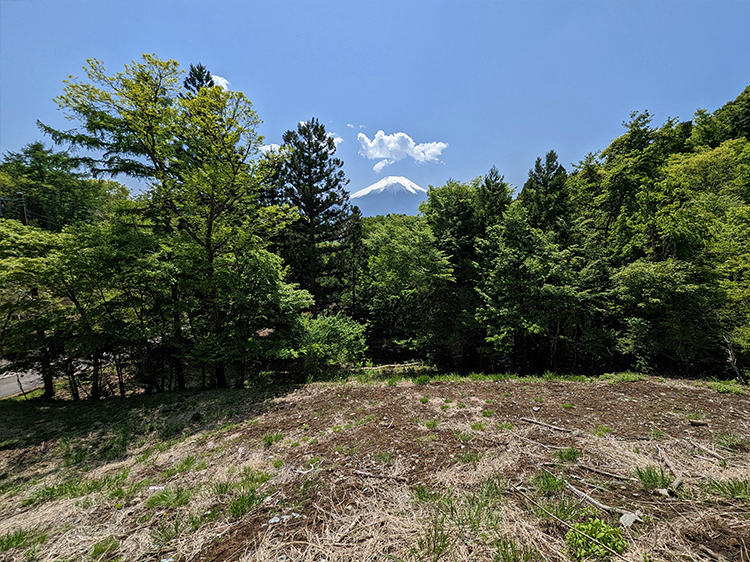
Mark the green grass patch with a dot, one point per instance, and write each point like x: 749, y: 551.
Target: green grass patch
x: 383, y: 457
x: 548, y: 484
x: 617, y: 378
x: 566, y: 509
x: 727, y: 387
x: 469, y: 457
x: 569, y: 454
x: 479, y: 426
x: 431, y: 424
x: 425, y: 495
x: 76, y: 487
x: 244, y: 502
x: 463, y: 437
x: 657, y: 434
x: 506, y: 550
x: 488, y: 413
x: 270, y: 438
x: 602, y: 430
x: 734, y: 488
x: 169, y: 498
x: 101, y: 548
x: 731, y: 441
x: 653, y: 478
x: 21, y: 538
x: 168, y: 530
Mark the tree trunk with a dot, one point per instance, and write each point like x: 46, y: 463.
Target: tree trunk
x: 177, y: 335
x: 72, y: 380
x: 120, y: 377
x: 95, y: 390
x: 220, y: 375
x: 239, y: 382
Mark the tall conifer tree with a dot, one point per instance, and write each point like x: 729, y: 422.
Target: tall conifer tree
x: 312, y: 180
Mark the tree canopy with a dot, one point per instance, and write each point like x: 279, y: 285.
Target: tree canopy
x: 233, y: 265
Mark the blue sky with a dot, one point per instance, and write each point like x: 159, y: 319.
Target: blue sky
x: 455, y: 86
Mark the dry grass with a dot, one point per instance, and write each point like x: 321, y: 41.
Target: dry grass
x: 356, y: 478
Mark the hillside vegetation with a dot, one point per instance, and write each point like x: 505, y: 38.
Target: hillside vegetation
x: 382, y: 467
x: 235, y: 263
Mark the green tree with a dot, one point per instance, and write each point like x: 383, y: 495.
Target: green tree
x: 545, y: 195
x: 199, y: 153
x: 669, y: 310
x: 28, y: 310
x: 543, y: 303
x: 731, y: 121
x: 459, y: 214
x: 312, y: 181
x: 55, y: 191
x: 405, y: 276
x: 198, y: 77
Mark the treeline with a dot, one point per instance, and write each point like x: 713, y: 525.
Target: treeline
x: 234, y: 262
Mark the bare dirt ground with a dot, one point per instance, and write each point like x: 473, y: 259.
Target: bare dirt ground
x: 469, y: 470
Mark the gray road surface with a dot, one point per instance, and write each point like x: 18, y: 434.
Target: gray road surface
x: 9, y: 385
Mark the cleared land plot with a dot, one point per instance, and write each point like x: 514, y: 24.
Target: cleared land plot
x: 354, y: 471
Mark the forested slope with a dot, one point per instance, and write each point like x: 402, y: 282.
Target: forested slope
x: 235, y: 264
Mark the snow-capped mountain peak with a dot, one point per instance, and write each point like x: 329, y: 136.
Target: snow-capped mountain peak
x: 390, y: 184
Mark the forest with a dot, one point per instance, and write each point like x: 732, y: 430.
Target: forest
x: 235, y: 264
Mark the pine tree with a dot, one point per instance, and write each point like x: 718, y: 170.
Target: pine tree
x: 544, y: 194
x: 311, y: 179
x: 198, y: 77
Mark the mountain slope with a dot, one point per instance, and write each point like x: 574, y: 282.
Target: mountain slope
x: 392, y: 194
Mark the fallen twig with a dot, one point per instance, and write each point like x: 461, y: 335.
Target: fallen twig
x: 385, y: 366
x: 712, y: 461
x: 705, y: 449
x: 537, y: 442
x: 677, y: 482
x: 711, y: 553
x: 604, y: 473
x: 384, y: 476
x: 593, y: 502
x: 312, y: 467
x: 529, y: 420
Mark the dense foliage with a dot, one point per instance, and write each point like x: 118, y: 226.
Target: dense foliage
x: 231, y: 263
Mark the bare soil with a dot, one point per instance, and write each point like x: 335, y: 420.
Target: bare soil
x: 400, y: 472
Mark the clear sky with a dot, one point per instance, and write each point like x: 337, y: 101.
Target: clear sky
x: 455, y: 86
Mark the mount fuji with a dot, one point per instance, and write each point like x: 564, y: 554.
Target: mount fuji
x: 392, y: 194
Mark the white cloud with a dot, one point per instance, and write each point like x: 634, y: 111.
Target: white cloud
x: 221, y: 81
x: 269, y: 147
x: 395, y: 147
x: 337, y: 140
x: 382, y: 164
x: 350, y: 125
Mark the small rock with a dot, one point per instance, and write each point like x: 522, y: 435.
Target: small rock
x: 629, y: 518
x: 274, y: 520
